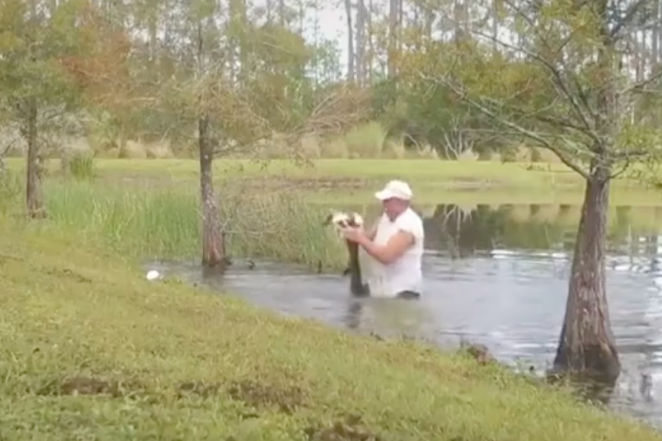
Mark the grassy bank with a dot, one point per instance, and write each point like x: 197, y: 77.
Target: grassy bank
x: 164, y: 223
x: 93, y: 351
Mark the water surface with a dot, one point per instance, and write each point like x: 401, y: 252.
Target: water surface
x: 497, y: 276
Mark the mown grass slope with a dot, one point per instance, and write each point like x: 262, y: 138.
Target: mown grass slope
x: 91, y: 350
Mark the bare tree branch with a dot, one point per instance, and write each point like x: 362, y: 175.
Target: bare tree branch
x: 337, y: 111
x: 560, y: 84
x: 622, y: 169
x: 626, y: 19
x: 620, y: 155
x: 517, y: 128
x: 556, y: 120
x: 640, y: 86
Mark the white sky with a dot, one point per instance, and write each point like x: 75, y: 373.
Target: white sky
x: 332, y: 25
x: 329, y: 22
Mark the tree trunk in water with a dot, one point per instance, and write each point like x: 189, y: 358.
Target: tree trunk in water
x: 213, y: 246
x: 586, y: 345
x: 34, y: 191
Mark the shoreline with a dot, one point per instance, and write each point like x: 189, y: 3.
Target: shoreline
x: 190, y: 364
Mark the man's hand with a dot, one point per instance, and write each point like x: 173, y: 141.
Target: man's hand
x: 386, y: 254
x: 356, y: 235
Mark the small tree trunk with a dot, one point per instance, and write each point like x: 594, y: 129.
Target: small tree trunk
x: 65, y: 162
x: 393, y: 37
x: 213, y: 247
x: 586, y: 345
x: 34, y: 191
x: 351, y: 56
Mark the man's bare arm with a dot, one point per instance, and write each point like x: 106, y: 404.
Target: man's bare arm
x: 395, y: 247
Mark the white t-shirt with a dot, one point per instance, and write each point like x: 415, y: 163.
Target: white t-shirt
x: 404, y: 274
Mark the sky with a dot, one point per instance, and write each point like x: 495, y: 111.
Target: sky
x: 332, y: 25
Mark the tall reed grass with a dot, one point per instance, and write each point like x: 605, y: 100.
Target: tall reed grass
x: 163, y: 222
x: 10, y: 191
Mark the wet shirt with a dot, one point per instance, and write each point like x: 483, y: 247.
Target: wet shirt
x: 405, y: 273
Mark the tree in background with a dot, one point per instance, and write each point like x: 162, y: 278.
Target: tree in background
x: 37, y: 40
x: 567, y: 88
x: 235, y: 83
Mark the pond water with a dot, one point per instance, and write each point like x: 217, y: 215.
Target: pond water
x: 496, y: 276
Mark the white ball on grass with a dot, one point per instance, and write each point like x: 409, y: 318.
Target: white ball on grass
x: 153, y: 275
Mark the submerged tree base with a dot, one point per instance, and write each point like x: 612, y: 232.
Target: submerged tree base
x: 595, y: 362
x: 589, y: 388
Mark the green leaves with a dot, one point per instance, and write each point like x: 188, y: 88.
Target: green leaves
x: 34, y: 46
x: 559, y: 84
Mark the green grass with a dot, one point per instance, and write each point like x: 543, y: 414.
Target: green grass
x: 352, y: 181
x: 165, y: 223
x: 487, y: 172
x: 93, y: 351
x: 443, y: 173
x: 81, y: 167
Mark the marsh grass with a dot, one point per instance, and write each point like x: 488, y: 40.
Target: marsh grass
x: 10, y: 190
x: 147, y: 220
x: 284, y: 227
x: 164, y: 222
x: 152, y: 222
x: 81, y: 166
x: 94, y: 351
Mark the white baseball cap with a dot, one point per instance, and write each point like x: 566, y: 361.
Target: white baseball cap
x: 395, y: 189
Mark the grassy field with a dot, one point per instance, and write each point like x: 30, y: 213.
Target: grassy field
x: 93, y: 351
x: 488, y: 173
x: 355, y: 181
x: 458, y: 173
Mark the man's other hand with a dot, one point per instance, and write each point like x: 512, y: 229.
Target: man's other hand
x: 357, y: 235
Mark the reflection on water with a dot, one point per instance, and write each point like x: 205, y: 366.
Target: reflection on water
x: 496, y: 276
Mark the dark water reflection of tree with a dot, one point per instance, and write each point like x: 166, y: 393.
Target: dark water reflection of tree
x: 462, y: 231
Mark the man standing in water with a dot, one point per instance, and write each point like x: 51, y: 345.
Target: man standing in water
x: 395, y: 245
